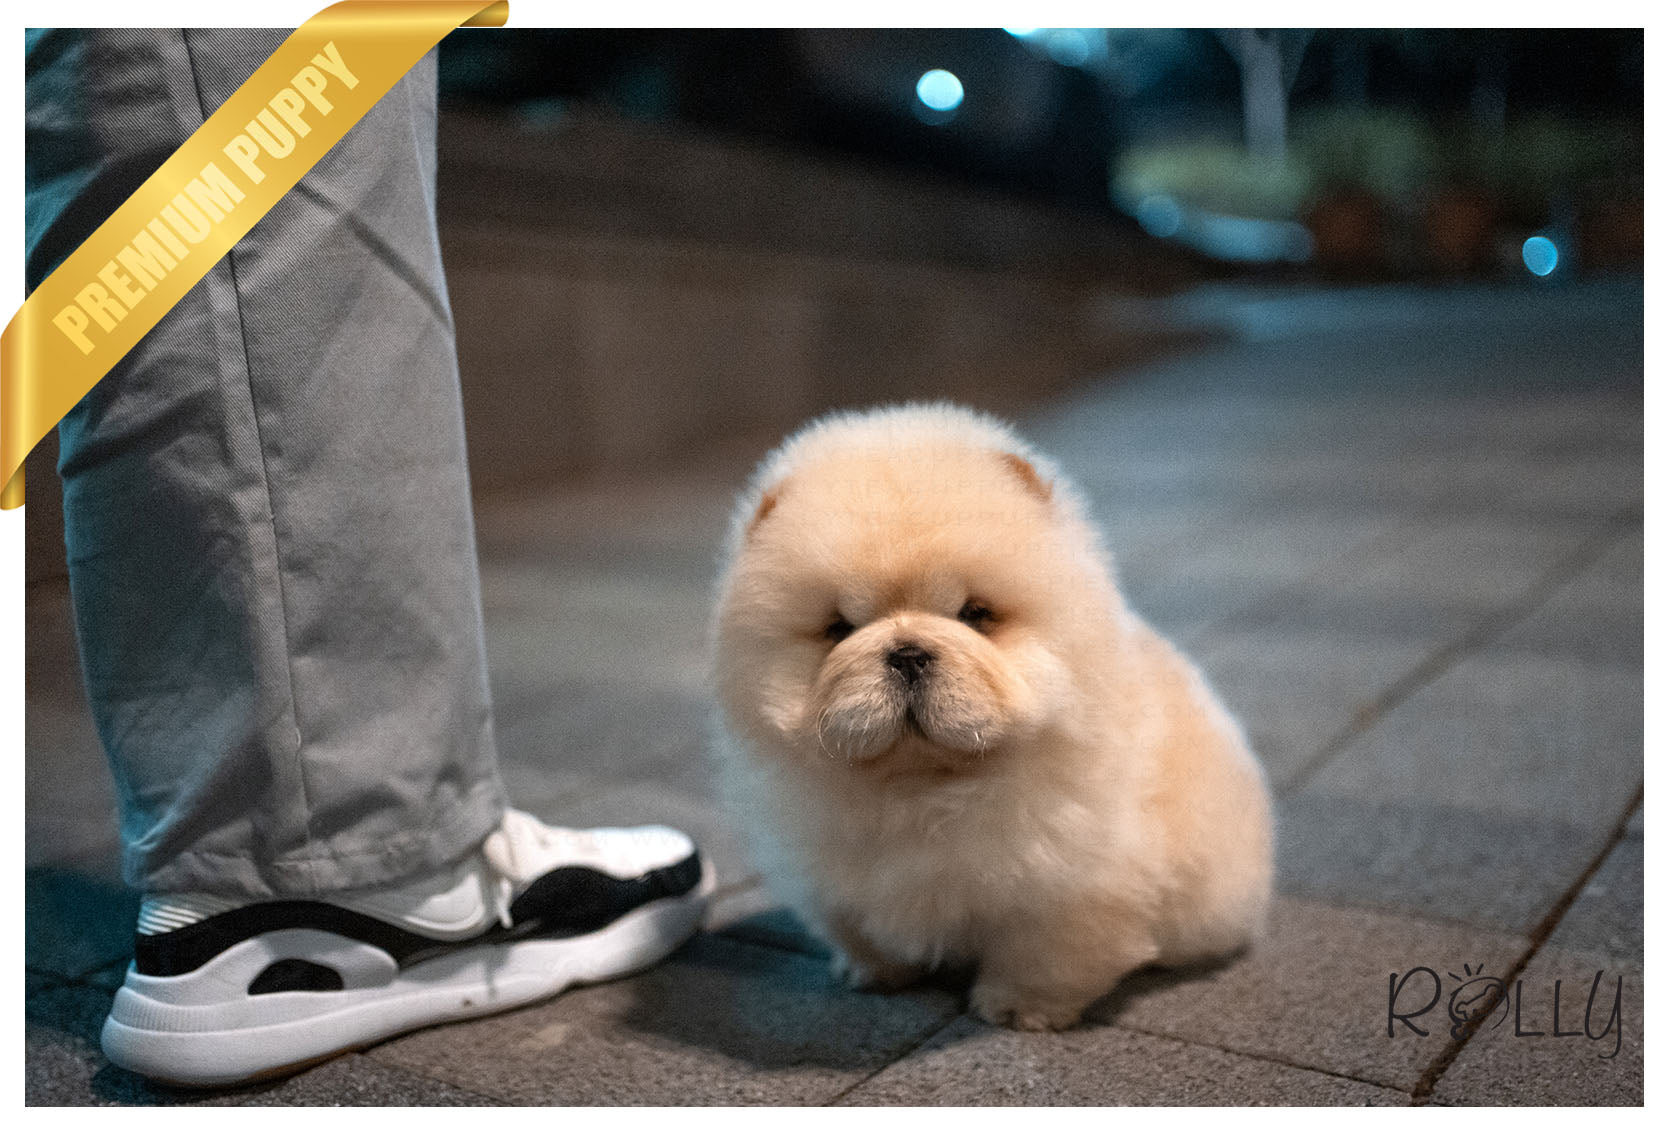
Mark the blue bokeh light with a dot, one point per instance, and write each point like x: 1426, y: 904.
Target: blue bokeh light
x: 940, y: 90
x: 1069, y: 47
x: 1159, y: 215
x: 1541, y: 255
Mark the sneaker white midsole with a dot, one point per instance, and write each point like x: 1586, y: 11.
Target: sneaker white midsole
x: 203, y: 1028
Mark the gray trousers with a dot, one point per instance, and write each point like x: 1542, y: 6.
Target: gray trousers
x: 271, y: 550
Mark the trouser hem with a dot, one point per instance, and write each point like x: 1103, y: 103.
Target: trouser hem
x: 466, y: 823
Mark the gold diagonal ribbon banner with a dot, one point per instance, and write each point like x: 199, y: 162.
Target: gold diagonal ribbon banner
x: 101, y: 300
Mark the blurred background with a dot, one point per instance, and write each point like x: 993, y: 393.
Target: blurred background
x: 662, y: 241
x: 728, y: 230
x: 1340, y: 332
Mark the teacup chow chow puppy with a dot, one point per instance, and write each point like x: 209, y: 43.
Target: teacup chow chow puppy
x: 949, y: 740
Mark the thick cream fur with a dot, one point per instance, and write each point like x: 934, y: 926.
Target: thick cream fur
x: 1058, y: 801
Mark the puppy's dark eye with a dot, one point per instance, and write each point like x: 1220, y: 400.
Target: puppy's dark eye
x: 838, y: 629
x: 977, y: 615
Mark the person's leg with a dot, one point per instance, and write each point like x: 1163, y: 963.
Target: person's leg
x: 267, y: 513
x: 273, y: 570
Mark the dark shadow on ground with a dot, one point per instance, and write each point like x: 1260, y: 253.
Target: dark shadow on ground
x: 1107, y: 1009
x: 75, y: 923
x: 62, y: 1024
x: 774, y: 1009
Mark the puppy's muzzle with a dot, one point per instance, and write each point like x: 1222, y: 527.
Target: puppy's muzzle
x: 910, y: 662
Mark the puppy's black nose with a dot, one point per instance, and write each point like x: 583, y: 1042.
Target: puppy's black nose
x: 909, y: 662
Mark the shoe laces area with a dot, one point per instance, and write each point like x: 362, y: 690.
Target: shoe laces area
x: 522, y: 849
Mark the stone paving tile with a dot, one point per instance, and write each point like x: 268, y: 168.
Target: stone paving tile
x: 354, y: 1080
x: 1396, y: 483
x: 720, y: 1023
x: 1510, y: 481
x: 1325, y: 455
x: 1575, y: 482
x: 637, y: 804
x: 1453, y: 859
x: 63, y: 1066
x: 1309, y: 659
x: 973, y: 1064
x: 1295, y: 689
x: 1140, y: 536
x: 1314, y: 993
x: 1597, y: 616
x: 1468, y: 562
x: 1439, y: 579
x: 1187, y: 481
x: 1608, y: 916
x: 1148, y: 431
x: 1512, y: 734
x: 1275, y: 547
x: 62, y: 1063
x: 1575, y: 418
x: 1499, y: 1067
x: 1184, y: 605
x: 1232, y: 567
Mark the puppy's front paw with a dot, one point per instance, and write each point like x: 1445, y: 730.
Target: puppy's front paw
x: 875, y: 975
x: 1024, y: 1011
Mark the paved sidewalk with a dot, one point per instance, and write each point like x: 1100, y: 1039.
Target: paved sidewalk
x: 1402, y: 531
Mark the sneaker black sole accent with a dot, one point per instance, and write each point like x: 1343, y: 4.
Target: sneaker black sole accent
x: 578, y: 899
x: 296, y: 975
x: 569, y: 901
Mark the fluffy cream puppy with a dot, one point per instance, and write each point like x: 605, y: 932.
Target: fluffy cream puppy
x: 948, y: 739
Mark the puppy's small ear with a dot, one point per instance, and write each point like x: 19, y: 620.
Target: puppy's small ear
x: 1028, y: 475
x: 768, y: 501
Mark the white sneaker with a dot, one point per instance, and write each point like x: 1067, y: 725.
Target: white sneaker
x: 223, y: 993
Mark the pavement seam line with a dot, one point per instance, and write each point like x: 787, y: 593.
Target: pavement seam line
x: 1425, y: 917
x: 906, y: 1053
x: 1264, y: 1057
x: 1260, y: 1057
x: 1538, y: 937
x: 1481, y: 633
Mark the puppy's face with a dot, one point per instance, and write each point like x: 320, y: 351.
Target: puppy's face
x: 900, y: 611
